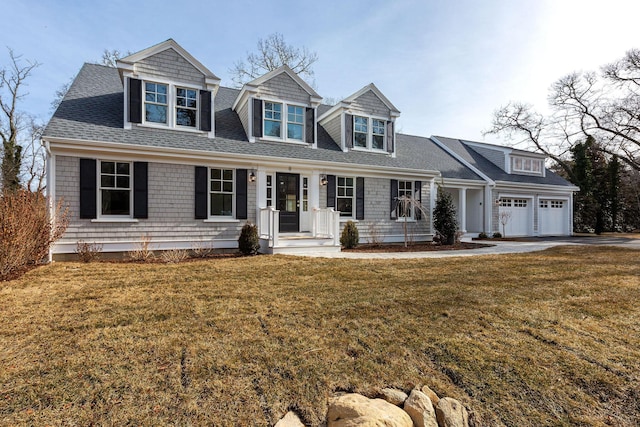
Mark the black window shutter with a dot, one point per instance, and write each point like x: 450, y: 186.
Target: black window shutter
x: 418, y: 193
x: 390, y: 137
x: 88, y: 189
x: 309, y: 125
x: 135, y: 100
x: 205, y: 110
x: 257, y: 118
x: 331, y: 191
x: 241, y: 194
x: 348, y: 130
x: 201, y: 192
x: 359, y: 197
x: 140, y: 190
x: 394, y: 197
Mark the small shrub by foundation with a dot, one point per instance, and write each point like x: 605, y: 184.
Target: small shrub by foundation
x: 349, y: 237
x: 88, y: 252
x: 248, y: 242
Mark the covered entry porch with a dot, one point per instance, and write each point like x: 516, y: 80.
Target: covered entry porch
x: 470, y: 203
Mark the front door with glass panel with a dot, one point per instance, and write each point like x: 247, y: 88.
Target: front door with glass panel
x: 288, y: 201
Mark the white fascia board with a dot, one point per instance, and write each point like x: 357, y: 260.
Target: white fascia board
x: 459, y: 183
x: 76, y: 147
x: 286, y: 69
x: 461, y: 160
x: 372, y: 87
x: 245, y: 92
x: 514, y: 186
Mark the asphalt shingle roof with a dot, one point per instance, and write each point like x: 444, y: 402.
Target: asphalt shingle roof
x: 485, y: 166
x: 92, y: 110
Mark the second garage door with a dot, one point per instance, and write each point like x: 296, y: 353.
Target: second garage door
x: 553, y: 215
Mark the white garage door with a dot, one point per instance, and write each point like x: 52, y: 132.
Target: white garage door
x: 553, y: 216
x: 514, y: 217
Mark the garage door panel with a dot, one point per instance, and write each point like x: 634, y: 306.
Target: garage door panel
x: 553, y: 217
x: 518, y: 222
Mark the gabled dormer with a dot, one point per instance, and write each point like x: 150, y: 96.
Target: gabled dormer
x: 165, y: 87
x: 510, y: 160
x: 363, y: 121
x: 279, y: 106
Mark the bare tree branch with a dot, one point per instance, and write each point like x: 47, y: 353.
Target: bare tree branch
x: 272, y: 53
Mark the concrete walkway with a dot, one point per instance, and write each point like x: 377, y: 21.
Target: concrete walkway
x: 502, y: 247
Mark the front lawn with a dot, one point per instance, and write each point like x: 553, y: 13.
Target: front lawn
x: 549, y: 338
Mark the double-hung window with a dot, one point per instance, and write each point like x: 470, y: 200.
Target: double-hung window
x: 221, y: 183
x: 345, y: 196
x: 273, y: 119
x: 115, y: 188
x: 367, y: 135
x: 155, y: 102
x: 186, y: 107
x: 405, y: 199
x: 295, y: 122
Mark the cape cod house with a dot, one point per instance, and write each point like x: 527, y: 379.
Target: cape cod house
x: 157, y: 149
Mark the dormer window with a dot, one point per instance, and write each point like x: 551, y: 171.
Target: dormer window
x: 170, y: 105
x: 155, y: 102
x: 368, y: 137
x: 186, y: 107
x: 527, y: 165
x: 295, y: 122
x: 273, y: 121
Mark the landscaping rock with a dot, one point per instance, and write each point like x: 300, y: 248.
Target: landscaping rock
x: 393, y: 396
x: 355, y: 410
x: 432, y: 395
x: 451, y: 413
x: 420, y: 409
x: 289, y: 420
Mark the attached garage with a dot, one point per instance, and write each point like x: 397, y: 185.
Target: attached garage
x: 515, y: 217
x: 553, y: 217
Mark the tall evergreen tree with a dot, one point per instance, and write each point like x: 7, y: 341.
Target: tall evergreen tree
x: 614, y: 191
x: 445, y: 217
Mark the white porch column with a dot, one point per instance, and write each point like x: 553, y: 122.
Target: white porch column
x: 488, y: 208
x: 261, y: 194
x: 432, y: 202
x: 314, y: 191
x: 462, y: 209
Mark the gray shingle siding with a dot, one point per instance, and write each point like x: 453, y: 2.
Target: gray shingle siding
x: 171, y: 208
x: 369, y: 103
x: 285, y: 88
x: 170, y: 65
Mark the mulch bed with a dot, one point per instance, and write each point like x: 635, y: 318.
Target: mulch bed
x: 416, y: 247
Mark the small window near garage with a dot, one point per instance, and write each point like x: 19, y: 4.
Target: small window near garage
x: 527, y: 165
x: 115, y: 188
x: 505, y: 203
x: 519, y: 203
x: 557, y: 204
x: 405, y: 191
x: 544, y: 204
x: 221, y: 192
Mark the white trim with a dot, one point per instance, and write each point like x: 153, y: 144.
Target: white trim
x: 371, y: 87
x: 285, y: 69
x: 77, y: 147
x: 214, y: 220
x: 108, y: 246
x: 114, y: 219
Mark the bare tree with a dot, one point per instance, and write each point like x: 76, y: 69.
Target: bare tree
x: 273, y: 52
x: 110, y: 57
x: 505, y: 217
x: 604, y: 105
x: 13, y: 122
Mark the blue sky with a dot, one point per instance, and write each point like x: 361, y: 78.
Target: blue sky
x: 446, y: 65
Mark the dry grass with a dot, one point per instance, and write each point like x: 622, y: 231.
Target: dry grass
x: 551, y: 338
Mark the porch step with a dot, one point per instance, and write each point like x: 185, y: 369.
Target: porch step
x: 298, y: 243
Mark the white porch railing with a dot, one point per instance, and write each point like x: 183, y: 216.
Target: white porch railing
x: 326, y: 224
x: 269, y: 225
